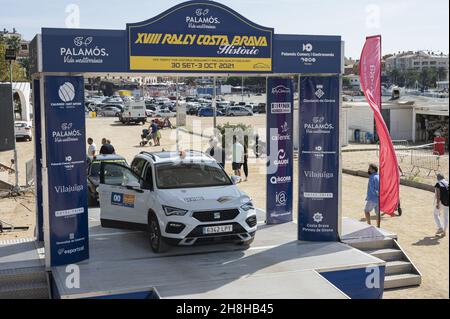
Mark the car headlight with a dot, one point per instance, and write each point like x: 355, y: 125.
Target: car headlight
x: 173, y: 211
x: 247, y: 206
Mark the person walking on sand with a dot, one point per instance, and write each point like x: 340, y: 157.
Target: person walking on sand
x: 441, y: 201
x: 92, y: 149
x: 373, y: 194
x: 238, y: 156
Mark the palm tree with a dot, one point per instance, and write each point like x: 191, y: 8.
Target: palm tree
x: 13, y: 42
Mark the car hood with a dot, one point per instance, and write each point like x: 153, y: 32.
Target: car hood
x: 204, y: 198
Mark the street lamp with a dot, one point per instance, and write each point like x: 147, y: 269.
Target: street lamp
x: 10, y: 55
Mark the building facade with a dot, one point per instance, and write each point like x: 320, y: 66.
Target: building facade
x: 417, y: 61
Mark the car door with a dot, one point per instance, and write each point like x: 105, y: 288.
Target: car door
x: 121, y: 196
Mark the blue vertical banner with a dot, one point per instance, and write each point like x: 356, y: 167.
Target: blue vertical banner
x: 38, y: 159
x: 280, y: 110
x: 318, y: 205
x: 66, y: 164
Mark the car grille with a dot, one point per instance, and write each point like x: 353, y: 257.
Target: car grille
x: 209, y: 216
x: 198, y: 231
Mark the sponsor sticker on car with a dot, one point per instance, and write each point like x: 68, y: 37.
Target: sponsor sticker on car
x: 124, y: 200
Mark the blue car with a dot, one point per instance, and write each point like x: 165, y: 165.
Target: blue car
x: 207, y: 111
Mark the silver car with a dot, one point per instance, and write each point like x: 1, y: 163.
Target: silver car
x: 109, y: 111
x: 238, y: 111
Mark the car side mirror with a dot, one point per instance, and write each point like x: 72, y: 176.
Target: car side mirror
x: 235, y: 179
x: 132, y: 185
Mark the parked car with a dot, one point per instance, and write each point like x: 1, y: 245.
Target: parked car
x: 109, y: 111
x: 100, y: 107
x: 165, y: 113
x: 178, y: 199
x: 208, y: 111
x: 22, y: 130
x: 93, y: 173
x: 238, y: 111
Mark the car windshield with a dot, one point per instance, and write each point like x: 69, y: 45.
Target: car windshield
x: 188, y: 175
x: 95, y: 166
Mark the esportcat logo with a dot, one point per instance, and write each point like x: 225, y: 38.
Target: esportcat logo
x: 70, y: 251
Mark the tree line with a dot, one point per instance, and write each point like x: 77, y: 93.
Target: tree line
x: 20, y: 67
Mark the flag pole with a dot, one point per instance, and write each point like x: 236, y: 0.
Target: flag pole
x: 381, y: 110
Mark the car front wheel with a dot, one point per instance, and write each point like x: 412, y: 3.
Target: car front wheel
x: 156, y: 241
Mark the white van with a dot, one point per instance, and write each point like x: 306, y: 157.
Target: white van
x: 133, y: 112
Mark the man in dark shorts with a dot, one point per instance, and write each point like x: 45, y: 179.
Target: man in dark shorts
x: 238, y: 156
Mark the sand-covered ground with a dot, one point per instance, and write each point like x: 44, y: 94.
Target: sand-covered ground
x: 415, y: 228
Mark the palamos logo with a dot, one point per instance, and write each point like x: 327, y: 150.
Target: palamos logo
x: 201, y: 17
x: 318, y: 127
x: 66, y: 133
x: 281, y: 89
x: 83, y: 48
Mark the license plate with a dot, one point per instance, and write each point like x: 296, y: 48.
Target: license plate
x: 217, y: 229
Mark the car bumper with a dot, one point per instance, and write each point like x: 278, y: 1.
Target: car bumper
x: 244, y: 228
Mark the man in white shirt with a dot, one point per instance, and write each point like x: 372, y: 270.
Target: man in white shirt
x: 238, y: 156
x: 92, y: 149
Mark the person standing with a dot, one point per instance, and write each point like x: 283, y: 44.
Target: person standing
x: 441, y: 201
x: 216, y: 151
x: 245, y: 164
x: 154, y: 131
x: 92, y: 149
x: 106, y: 148
x: 238, y: 156
x: 373, y: 195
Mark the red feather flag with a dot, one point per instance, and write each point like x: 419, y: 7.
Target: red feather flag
x: 370, y: 77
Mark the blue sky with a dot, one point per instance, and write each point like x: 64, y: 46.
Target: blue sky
x: 404, y: 24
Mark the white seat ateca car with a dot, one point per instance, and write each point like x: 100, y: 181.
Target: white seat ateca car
x: 179, y: 199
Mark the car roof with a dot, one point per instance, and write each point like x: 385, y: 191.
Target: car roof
x: 106, y: 157
x: 170, y: 157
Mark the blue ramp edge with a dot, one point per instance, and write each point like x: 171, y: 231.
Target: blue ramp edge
x: 359, y: 283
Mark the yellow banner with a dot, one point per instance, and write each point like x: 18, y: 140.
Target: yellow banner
x: 204, y: 64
